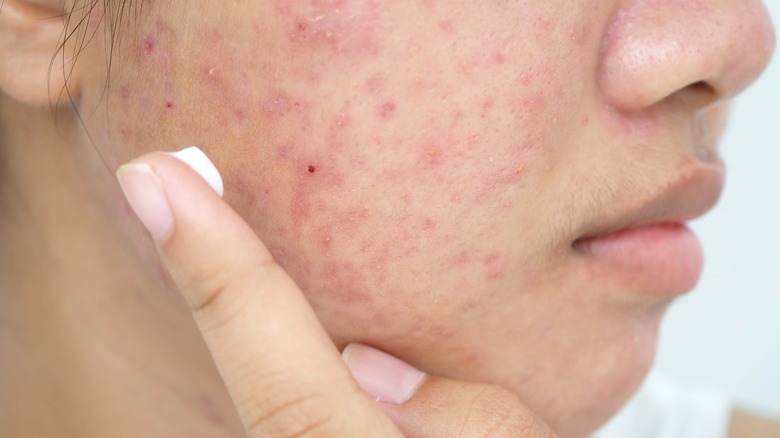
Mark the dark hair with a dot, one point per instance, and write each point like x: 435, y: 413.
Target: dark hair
x: 80, y: 26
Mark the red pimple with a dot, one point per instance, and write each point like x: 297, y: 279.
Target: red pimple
x: 148, y: 45
x: 386, y: 110
x: 432, y: 155
x: 342, y: 120
x: 447, y: 26
x: 124, y: 93
x: 169, y: 104
x: 429, y: 224
x: 375, y: 84
x: 312, y: 168
x: 494, y: 266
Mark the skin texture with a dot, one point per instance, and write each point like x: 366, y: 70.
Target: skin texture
x: 423, y: 169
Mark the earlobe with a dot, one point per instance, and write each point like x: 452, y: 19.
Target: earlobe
x: 31, y: 32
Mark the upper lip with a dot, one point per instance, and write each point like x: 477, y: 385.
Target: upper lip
x: 686, y: 196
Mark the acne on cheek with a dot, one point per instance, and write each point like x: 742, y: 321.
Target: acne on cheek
x: 341, y: 27
x: 317, y: 162
x: 324, y: 211
x: 152, y: 51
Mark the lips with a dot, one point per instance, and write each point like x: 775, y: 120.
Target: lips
x: 648, y: 246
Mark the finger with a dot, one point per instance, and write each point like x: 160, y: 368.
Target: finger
x: 442, y: 407
x: 282, y: 370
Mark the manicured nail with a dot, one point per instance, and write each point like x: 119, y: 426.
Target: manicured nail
x: 143, y: 190
x: 384, y: 377
x: 199, y: 162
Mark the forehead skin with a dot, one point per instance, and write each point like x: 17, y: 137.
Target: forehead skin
x: 421, y: 169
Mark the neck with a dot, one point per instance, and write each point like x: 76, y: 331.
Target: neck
x: 92, y: 341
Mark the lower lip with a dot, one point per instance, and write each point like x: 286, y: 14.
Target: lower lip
x: 663, y: 259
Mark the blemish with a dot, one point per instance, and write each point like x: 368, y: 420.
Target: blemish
x: 342, y: 119
x: 343, y: 283
x: 494, y: 266
x: 124, y: 93
x: 312, y: 168
x: 447, y: 26
x: 148, y: 45
x: 386, y: 110
x: 487, y: 106
x: 211, y: 409
x: 433, y: 155
x: 97, y: 13
x: 215, y: 35
x: 279, y: 104
x: 375, y: 83
x: 339, y: 26
x: 169, y: 105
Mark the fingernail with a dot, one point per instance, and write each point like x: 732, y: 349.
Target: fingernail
x: 386, y: 378
x: 200, y: 163
x: 144, y: 191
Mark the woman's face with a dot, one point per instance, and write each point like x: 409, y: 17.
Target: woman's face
x: 433, y: 173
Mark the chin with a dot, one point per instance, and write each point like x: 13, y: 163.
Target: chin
x: 600, y: 386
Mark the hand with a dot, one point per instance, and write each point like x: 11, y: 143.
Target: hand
x: 282, y: 370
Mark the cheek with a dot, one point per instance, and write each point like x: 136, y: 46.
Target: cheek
x: 375, y: 186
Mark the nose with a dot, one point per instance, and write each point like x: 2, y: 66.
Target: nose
x: 654, y: 49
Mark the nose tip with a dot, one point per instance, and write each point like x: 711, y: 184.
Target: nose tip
x: 656, y: 48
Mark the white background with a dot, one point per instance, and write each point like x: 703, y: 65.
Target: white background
x: 727, y: 332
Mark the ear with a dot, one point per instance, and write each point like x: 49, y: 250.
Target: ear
x: 31, y: 32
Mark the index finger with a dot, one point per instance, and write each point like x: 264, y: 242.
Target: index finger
x: 282, y: 370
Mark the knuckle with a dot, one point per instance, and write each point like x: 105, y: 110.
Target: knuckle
x: 304, y: 415
x: 286, y: 411
x: 211, y: 298
x: 498, y: 412
x: 203, y: 287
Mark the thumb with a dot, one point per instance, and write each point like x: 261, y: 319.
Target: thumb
x: 284, y: 374
x: 282, y: 370
x: 438, y: 407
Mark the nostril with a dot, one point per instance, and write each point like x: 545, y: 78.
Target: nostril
x: 699, y: 93
x: 694, y: 51
x: 701, y: 87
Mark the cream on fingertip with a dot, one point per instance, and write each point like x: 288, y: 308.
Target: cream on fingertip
x: 194, y: 157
